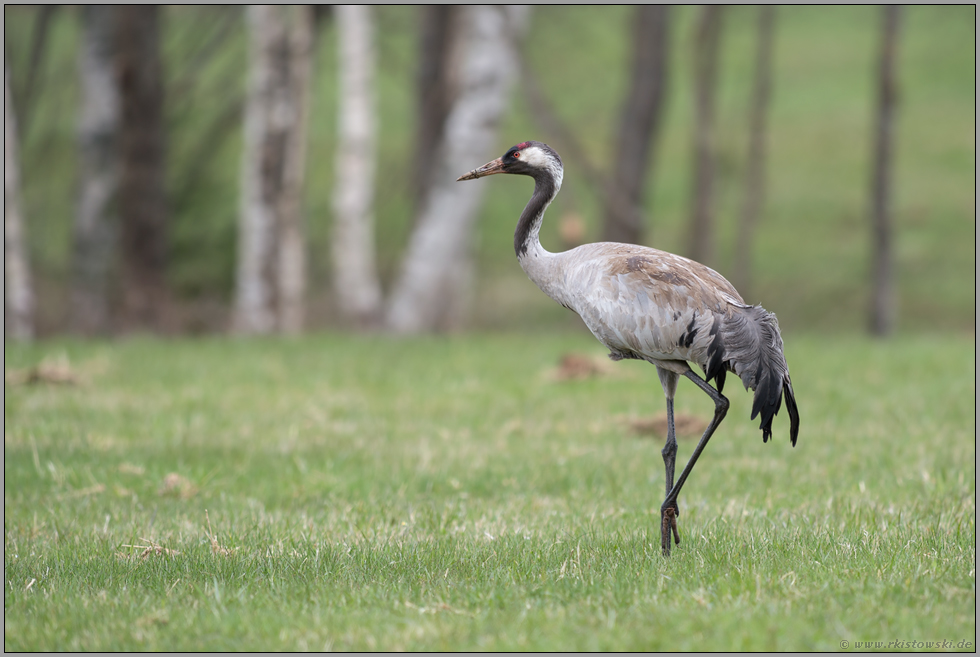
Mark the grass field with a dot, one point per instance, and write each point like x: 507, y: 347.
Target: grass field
x: 365, y: 493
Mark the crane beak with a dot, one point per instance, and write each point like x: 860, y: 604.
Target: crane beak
x: 488, y: 169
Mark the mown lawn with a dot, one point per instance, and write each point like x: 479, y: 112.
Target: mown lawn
x: 366, y: 493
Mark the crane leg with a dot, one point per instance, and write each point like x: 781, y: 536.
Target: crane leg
x: 668, y: 517
x: 669, y: 452
x: 668, y: 379
x: 669, y: 511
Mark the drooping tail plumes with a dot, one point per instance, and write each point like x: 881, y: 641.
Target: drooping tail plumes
x: 794, y: 413
x: 751, y: 347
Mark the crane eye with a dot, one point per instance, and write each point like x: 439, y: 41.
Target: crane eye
x: 517, y: 155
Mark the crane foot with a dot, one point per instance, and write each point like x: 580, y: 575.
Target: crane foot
x: 668, y: 524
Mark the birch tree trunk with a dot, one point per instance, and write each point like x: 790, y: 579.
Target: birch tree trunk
x: 755, y: 175
x: 883, y: 310
x: 432, y: 289
x: 93, y: 235
x: 254, y: 292
x: 142, y: 176
x: 701, y: 239
x: 271, y: 262
x: 355, y: 275
x: 639, y: 127
x: 18, y: 297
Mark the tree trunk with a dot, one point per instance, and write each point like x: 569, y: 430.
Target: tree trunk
x: 355, y: 275
x: 142, y: 179
x: 701, y: 243
x: 271, y: 263
x: 18, y: 298
x: 755, y: 175
x: 436, y: 86
x: 24, y: 101
x: 639, y: 128
x: 432, y: 290
x: 883, y: 310
x: 98, y: 130
x: 563, y: 139
x: 292, y: 236
x: 255, y: 293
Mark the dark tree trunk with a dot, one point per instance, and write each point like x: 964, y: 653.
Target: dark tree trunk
x: 563, y: 139
x: 640, y: 123
x: 291, y: 256
x: 18, y: 295
x: 435, y: 83
x: 142, y: 194
x: 701, y: 242
x: 883, y: 310
x: 98, y: 128
x: 33, y: 80
x: 755, y: 174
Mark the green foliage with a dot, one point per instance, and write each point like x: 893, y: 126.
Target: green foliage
x: 364, y: 493
x: 811, y: 255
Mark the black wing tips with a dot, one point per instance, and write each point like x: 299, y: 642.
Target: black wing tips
x: 768, y: 400
x: 716, y: 368
x: 763, y: 404
x: 747, y: 342
x: 794, y: 412
x: 771, y: 375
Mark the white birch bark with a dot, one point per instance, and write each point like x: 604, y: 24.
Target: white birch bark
x: 93, y: 233
x: 271, y: 258
x: 356, y: 283
x: 432, y: 290
x: 18, y: 297
x: 254, y: 295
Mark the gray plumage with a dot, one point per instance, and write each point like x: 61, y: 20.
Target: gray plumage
x: 647, y: 304
x: 651, y: 305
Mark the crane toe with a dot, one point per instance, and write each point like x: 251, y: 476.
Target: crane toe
x: 668, y: 526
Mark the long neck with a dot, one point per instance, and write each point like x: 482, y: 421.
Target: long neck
x: 546, y: 186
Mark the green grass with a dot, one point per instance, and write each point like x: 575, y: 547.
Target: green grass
x: 449, y: 494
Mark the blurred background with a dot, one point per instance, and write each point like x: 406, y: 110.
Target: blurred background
x: 182, y: 170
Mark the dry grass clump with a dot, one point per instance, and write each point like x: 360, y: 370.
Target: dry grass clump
x: 152, y: 548
x: 55, y: 369
x: 579, y: 367
x: 216, y: 548
x: 684, y: 425
x: 177, y: 485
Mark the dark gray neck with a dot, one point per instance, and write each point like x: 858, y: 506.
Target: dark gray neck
x: 545, y: 190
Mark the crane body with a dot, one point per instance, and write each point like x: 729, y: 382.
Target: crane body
x: 643, y: 303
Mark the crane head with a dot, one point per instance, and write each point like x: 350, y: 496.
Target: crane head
x: 529, y: 158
